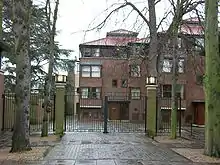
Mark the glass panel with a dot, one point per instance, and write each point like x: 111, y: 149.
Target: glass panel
x: 85, y: 71
x: 135, y: 70
x: 181, y: 66
x: 96, y: 71
x: 167, y: 65
x: 135, y: 93
x: 167, y: 91
x: 85, y: 93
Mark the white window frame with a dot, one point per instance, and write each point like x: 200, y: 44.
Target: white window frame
x: 84, y: 93
x: 135, y: 93
x: 91, y: 71
x: 168, y: 65
x: 95, y: 71
x: 85, y: 71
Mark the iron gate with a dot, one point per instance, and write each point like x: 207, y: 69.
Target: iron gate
x: 36, y: 112
x: 114, y: 113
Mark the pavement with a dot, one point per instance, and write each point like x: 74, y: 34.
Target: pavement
x: 111, y: 149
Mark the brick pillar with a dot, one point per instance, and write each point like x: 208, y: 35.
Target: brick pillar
x: 59, y: 109
x: 151, y: 110
x: 1, y: 100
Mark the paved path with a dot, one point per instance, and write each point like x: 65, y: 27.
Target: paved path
x: 111, y: 149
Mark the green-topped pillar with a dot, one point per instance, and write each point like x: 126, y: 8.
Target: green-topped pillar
x: 151, y: 114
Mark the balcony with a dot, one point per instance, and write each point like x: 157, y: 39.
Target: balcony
x: 118, y: 96
x: 90, y: 103
x: 166, y: 103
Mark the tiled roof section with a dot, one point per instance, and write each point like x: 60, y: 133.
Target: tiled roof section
x: 118, y: 37
x: 192, y: 26
x: 112, y: 41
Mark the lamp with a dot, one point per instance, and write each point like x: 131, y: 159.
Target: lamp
x: 60, y: 78
x: 151, y: 80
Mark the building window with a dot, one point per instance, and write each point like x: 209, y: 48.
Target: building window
x: 96, y: 52
x: 95, y: 71
x: 91, y: 71
x: 91, y: 52
x: 168, y: 65
x: 167, y: 91
x: 124, y: 83
x: 135, y: 93
x: 199, y: 43
x: 114, y: 83
x: 86, y: 71
x: 91, y: 93
x: 181, y: 66
x: 135, y: 70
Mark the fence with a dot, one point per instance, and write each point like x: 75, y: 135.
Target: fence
x: 164, y: 116
x: 124, y: 114
x: 36, y: 112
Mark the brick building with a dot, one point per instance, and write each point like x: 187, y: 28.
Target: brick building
x: 116, y: 66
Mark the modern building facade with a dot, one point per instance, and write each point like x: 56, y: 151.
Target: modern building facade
x: 116, y: 66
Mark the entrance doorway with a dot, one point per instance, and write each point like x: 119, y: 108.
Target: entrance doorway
x: 118, y: 110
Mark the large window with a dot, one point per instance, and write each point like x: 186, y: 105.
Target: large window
x: 168, y: 65
x: 90, y: 93
x: 135, y: 93
x: 91, y: 52
x: 91, y: 71
x: 135, y: 70
x: 167, y: 91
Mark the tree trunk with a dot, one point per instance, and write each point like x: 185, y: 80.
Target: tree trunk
x: 48, y: 82
x: 21, y: 18
x: 174, y: 37
x: 1, y: 21
x: 212, y: 87
x: 173, y: 95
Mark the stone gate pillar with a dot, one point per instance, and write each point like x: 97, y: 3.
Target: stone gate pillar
x: 59, y: 108
x: 151, y: 110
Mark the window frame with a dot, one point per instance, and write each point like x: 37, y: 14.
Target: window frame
x: 116, y: 83
x: 138, y: 97
x: 91, y: 92
x: 122, y: 80
x: 91, y: 71
x: 169, y: 69
x: 132, y: 73
x: 91, y: 52
x: 179, y: 93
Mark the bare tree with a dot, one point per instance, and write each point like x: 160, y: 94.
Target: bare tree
x: 49, y: 77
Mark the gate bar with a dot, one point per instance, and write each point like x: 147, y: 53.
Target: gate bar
x: 106, y: 114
